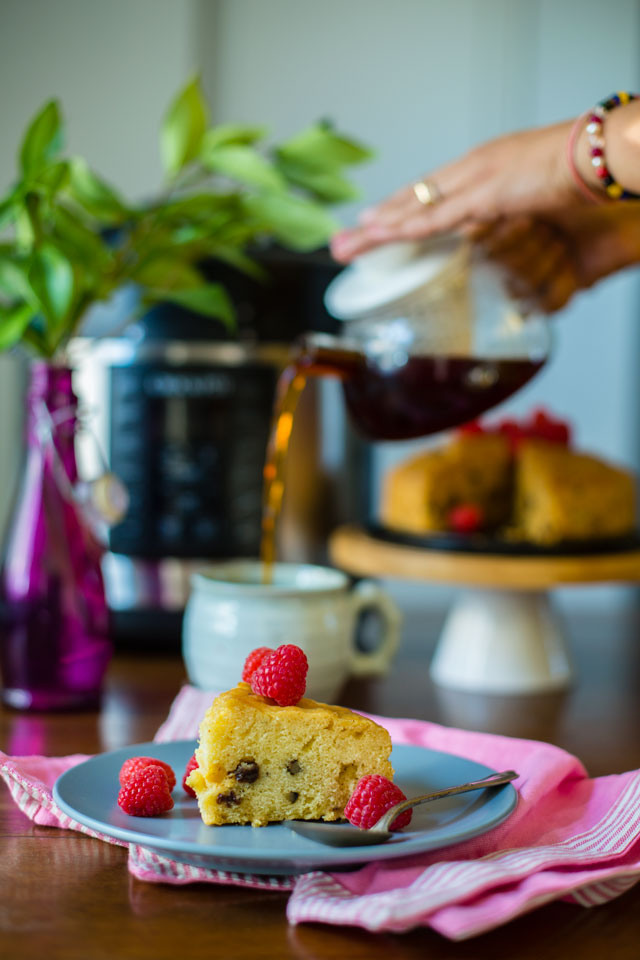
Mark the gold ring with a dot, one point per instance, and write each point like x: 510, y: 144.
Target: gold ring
x: 427, y: 192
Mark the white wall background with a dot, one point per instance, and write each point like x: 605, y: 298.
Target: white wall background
x: 419, y: 80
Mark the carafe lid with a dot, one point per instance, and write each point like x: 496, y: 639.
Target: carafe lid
x: 382, y: 278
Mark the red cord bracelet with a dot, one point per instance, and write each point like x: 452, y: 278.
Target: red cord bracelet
x: 583, y: 187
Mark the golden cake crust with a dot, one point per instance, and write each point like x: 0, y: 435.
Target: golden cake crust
x: 258, y: 762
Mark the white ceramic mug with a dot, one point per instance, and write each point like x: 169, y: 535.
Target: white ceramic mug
x: 230, y: 612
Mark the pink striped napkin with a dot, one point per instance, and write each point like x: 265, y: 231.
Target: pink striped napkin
x: 570, y: 837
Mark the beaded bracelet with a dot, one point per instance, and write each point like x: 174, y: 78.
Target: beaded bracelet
x: 595, y: 135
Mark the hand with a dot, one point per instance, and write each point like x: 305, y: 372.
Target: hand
x: 522, y: 173
x: 547, y: 260
x: 535, y: 259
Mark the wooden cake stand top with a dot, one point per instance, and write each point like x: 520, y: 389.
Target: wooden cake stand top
x: 352, y: 549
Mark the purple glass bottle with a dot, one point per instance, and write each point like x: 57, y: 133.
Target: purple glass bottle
x: 54, y: 629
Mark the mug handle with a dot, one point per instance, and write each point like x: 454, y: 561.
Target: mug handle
x: 367, y: 595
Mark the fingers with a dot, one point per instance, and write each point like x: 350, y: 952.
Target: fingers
x: 403, y: 219
x: 519, y: 173
x: 535, y: 260
x: 467, y: 195
x: 560, y: 289
x: 467, y: 191
x: 390, y: 211
x: 377, y: 225
x: 402, y: 216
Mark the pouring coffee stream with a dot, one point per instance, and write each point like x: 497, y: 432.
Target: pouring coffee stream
x: 430, y: 344
x: 291, y: 382
x: 290, y: 385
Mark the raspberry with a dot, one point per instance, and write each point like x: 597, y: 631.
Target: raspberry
x: 513, y: 431
x: 372, y: 797
x: 253, y: 661
x: 135, y: 764
x: 146, y: 792
x: 545, y: 427
x: 562, y: 434
x: 193, y: 763
x: 473, y: 427
x: 466, y: 518
x: 282, y: 676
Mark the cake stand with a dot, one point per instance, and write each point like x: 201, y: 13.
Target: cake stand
x: 502, y: 634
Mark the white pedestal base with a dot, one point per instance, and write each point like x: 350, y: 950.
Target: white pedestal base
x: 502, y: 642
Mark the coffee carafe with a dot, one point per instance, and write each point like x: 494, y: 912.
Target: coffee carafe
x: 430, y: 339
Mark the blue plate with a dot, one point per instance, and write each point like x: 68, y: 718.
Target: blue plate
x: 88, y: 793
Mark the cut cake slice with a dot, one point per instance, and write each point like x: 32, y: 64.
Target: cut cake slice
x: 562, y: 495
x: 259, y: 762
x: 419, y: 495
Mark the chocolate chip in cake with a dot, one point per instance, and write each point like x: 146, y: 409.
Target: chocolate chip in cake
x: 247, y: 771
x: 228, y: 799
x: 293, y: 796
x: 293, y: 767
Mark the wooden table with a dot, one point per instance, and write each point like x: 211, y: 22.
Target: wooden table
x: 64, y: 895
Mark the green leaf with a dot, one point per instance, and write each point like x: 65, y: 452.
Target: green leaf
x: 10, y: 204
x: 25, y: 233
x: 211, y: 300
x: 167, y: 272
x: 295, y: 222
x: 329, y: 186
x: 52, y: 178
x: 320, y: 148
x: 14, y: 281
x: 243, y: 164
x: 231, y: 134
x: 183, y: 128
x: 198, y: 207
x: 78, y: 242
x: 37, y: 340
x: 28, y: 222
x: 94, y: 195
x: 42, y: 140
x: 237, y: 258
x: 13, y: 323
x: 51, y: 276
x: 8, y: 211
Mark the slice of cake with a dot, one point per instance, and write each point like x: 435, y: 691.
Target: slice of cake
x: 259, y: 762
x: 419, y: 495
x: 562, y: 495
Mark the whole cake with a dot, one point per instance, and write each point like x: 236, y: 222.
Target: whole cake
x: 259, y: 762
x: 522, y: 480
